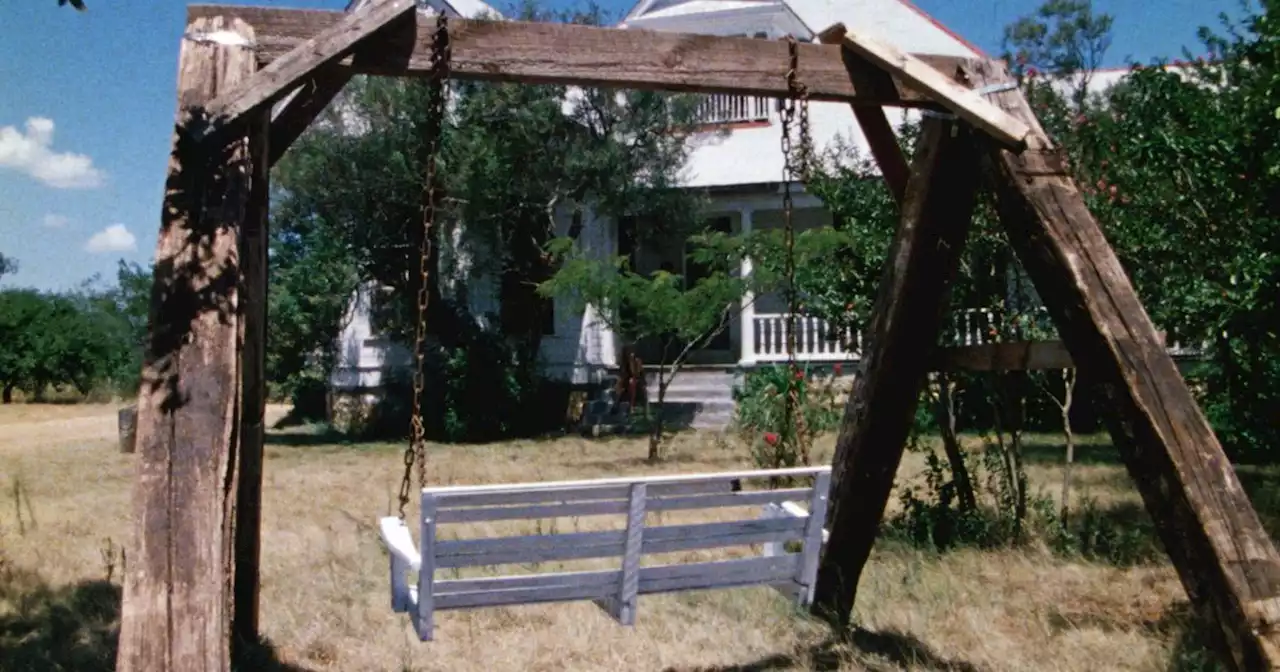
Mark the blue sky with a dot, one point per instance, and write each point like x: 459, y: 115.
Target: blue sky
x: 87, y: 102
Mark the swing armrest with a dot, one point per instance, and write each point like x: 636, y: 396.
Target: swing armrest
x: 395, y: 534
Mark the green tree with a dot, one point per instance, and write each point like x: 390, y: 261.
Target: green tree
x: 8, y: 265
x: 348, y: 206
x: 660, y: 306
x: 1064, y: 38
x: 21, y: 314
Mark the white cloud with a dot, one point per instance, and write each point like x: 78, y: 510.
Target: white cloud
x: 53, y: 221
x: 114, y: 238
x: 29, y: 152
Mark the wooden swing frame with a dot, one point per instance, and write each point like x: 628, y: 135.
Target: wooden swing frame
x: 191, y: 588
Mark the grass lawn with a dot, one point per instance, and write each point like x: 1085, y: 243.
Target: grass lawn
x: 325, y: 603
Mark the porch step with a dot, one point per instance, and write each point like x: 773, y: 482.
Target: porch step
x: 699, y: 397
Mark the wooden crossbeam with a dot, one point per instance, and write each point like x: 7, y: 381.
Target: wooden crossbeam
x: 1015, y: 356
x: 277, y: 78
x: 550, y: 53
x: 1223, y: 555
x: 942, y: 87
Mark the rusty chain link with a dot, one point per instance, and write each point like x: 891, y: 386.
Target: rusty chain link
x: 794, y: 167
x: 416, y: 452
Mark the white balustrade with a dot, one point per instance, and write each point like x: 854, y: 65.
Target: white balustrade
x: 818, y: 341
x: 728, y: 109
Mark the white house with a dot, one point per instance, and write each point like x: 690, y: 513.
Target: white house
x: 739, y: 169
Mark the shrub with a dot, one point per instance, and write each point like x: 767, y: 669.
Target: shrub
x: 761, y: 419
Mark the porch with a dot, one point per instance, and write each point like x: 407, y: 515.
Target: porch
x: 757, y: 332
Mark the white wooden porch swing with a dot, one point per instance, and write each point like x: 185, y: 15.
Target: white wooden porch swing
x: 780, y: 520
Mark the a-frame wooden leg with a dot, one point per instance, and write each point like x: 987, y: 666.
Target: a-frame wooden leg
x: 904, y: 329
x: 1224, y: 557
x: 176, y: 609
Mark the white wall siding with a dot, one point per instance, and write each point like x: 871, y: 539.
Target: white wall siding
x: 363, y: 356
x: 583, y: 346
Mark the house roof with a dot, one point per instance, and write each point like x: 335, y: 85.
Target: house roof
x: 890, y: 20
x: 467, y: 9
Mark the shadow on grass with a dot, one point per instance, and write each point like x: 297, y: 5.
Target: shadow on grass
x: 1053, y: 453
x: 876, y: 651
x: 77, y: 627
x: 1192, y: 650
x: 313, y: 435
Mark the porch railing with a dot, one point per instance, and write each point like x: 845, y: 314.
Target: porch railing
x: 727, y: 109
x: 818, y: 341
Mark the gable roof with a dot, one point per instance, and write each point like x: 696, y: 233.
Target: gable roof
x: 895, y: 21
x: 466, y: 9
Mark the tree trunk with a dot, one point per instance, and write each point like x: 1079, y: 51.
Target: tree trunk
x: 8, y: 392
x: 655, y: 431
x: 944, y: 413
x: 922, y: 261
x: 1069, y: 381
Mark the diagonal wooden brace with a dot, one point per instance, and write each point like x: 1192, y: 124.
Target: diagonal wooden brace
x: 968, y: 104
x: 283, y: 74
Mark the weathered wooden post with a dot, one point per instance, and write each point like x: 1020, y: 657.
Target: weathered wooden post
x: 127, y: 428
x: 176, y: 608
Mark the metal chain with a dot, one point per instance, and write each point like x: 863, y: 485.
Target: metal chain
x: 416, y: 452
x: 793, y: 167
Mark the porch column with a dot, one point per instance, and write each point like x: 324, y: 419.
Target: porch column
x: 747, y: 332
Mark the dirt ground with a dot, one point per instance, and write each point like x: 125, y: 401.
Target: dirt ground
x: 65, y: 516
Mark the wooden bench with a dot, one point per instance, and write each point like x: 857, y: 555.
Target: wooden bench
x: 615, y: 590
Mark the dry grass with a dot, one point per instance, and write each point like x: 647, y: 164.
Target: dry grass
x: 325, y: 602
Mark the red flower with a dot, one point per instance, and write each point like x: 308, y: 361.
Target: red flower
x: 838, y: 368
x: 771, y: 438
x: 1031, y: 72
x: 799, y: 375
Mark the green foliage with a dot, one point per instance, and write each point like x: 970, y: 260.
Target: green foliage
x: 637, y: 306
x: 83, y: 339
x: 931, y: 517
x: 8, y: 265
